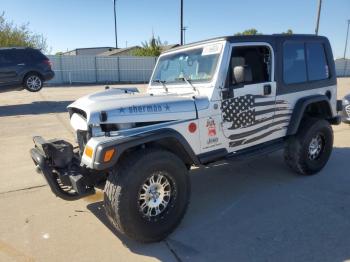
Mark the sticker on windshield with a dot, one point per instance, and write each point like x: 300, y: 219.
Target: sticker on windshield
x: 211, y: 49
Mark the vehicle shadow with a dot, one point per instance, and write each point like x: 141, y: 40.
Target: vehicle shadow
x: 34, y: 108
x: 260, y: 210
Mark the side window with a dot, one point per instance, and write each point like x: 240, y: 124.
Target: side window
x: 294, y: 65
x: 18, y: 56
x: 316, y: 62
x: 257, y: 59
x: 34, y: 55
x: 6, y: 58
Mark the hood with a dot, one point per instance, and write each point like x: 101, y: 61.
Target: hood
x: 120, y: 107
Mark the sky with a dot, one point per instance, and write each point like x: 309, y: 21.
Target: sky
x: 70, y: 24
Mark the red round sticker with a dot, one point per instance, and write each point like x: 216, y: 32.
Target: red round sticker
x: 192, y: 127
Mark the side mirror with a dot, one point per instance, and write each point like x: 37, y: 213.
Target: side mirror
x: 241, y: 74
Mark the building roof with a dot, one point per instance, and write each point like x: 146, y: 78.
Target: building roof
x: 118, y: 51
x: 86, y: 48
x: 168, y: 47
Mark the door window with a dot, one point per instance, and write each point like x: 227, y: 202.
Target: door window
x: 257, y: 59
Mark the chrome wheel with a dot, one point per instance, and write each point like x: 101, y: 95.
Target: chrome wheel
x: 155, y: 195
x: 34, y: 82
x: 315, y: 147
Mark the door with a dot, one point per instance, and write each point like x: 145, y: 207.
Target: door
x: 248, y: 105
x: 11, y: 63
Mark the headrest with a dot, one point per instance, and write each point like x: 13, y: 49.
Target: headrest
x: 237, y: 61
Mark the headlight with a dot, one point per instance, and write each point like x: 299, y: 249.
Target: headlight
x: 78, y: 122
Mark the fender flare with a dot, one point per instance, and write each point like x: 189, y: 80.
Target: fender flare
x: 300, y: 108
x: 121, y: 145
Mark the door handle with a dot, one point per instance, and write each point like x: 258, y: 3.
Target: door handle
x: 22, y: 64
x: 267, y: 90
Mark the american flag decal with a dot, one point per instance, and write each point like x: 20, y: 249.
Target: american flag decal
x: 253, y: 117
x: 240, y: 111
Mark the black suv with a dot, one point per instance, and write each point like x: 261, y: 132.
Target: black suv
x: 22, y: 67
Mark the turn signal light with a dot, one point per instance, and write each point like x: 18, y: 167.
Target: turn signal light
x: 88, y: 151
x: 108, y: 155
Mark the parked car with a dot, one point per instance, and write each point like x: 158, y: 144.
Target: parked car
x: 346, y: 109
x: 23, y: 68
x: 222, y: 99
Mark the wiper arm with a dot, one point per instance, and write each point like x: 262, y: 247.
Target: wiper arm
x: 161, y: 82
x: 183, y: 78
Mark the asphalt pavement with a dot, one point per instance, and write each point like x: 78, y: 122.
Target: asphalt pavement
x: 256, y: 210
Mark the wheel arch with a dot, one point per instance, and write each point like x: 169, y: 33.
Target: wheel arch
x: 32, y: 72
x: 313, y: 106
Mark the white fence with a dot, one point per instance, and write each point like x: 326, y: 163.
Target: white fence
x: 96, y: 69
x: 342, y: 67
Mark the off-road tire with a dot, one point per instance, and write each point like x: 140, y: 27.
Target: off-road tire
x: 296, y: 152
x: 28, y: 82
x: 121, y: 194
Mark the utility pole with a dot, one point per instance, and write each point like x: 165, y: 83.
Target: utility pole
x: 318, y: 16
x: 184, y: 33
x: 115, y: 24
x: 346, y: 45
x: 181, y: 22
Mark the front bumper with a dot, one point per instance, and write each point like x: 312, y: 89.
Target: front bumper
x: 60, y: 166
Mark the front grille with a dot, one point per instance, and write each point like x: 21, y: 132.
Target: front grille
x: 347, y: 109
x: 77, y: 111
x: 82, y: 138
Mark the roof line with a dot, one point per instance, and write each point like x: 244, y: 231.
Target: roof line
x: 232, y: 38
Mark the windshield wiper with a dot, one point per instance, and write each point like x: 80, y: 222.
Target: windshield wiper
x: 183, y: 78
x: 161, y: 82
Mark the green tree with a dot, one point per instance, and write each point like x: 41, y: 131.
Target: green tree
x: 151, y: 48
x: 251, y: 31
x: 289, y: 32
x: 14, y: 35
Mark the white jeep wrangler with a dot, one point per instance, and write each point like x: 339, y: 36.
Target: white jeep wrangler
x: 220, y: 99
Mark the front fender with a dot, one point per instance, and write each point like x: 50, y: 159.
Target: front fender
x: 123, y: 144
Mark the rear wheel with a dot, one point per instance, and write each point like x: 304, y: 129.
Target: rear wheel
x: 33, y: 82
x: 309, y: 150
x: 148, y: 194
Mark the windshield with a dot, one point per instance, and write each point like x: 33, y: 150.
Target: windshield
x: 194, y: 65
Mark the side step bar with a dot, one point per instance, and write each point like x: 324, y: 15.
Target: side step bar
x: 256, y: 151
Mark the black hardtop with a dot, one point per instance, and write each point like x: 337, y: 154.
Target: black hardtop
x: 296, y: 37
x: 258, y: 38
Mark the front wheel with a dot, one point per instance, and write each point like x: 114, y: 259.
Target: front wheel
x: 33, y: 83
x: 148, y: 194
x: 309, y: 150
